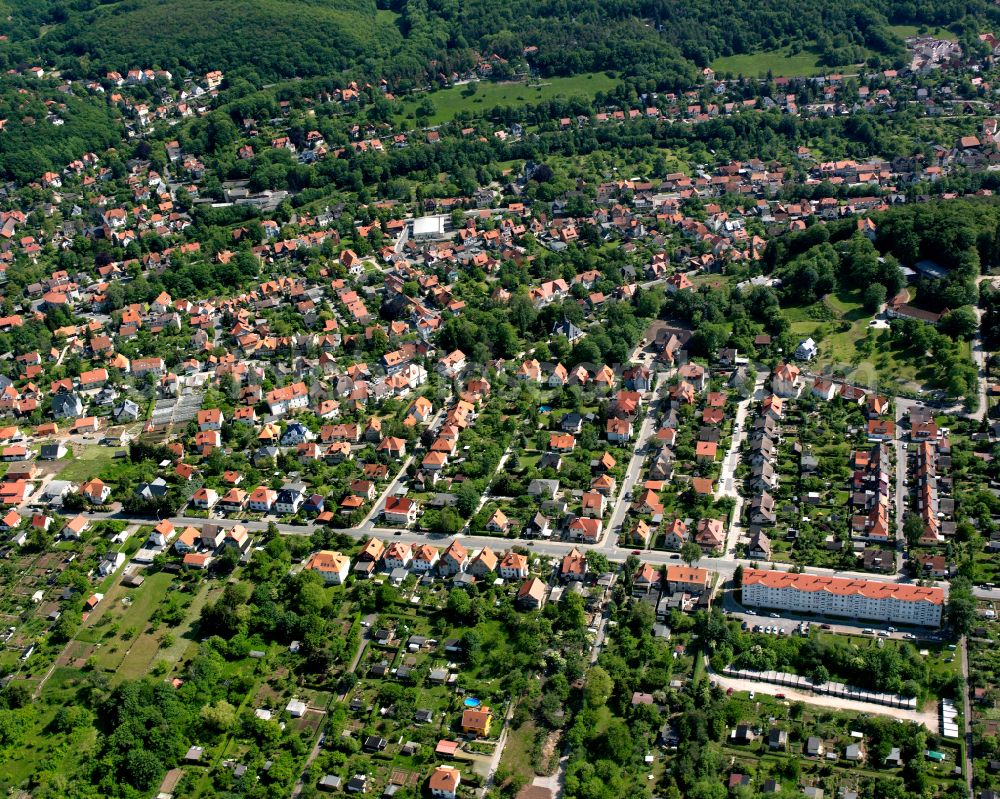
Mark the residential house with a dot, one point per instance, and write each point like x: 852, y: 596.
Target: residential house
x: 710, y: 534
x: 454, y: 559
x: 477, y: 721
x: 398, y: 555
x: 425, y: 558
x: 484, y: 563
x: 514, y: 566
x: 687, y: 580
x: 531, y: 595
x: 759, y: 547
x: 586, y: 529
x: 444, y: 782
x: 573, y: 566
x: 331, y: 566
x: 499, y: 523
x: 400, y: 510
x: 786, y: 380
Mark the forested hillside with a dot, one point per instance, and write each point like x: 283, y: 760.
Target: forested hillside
x: 274, y: 38
x: 45, y: 129
x: 413, y: 39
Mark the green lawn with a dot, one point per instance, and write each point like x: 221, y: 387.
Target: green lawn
x: 781, y: 63
x: 838, y: 336
x: 987, y: 567
x: 847, y: 304
x: 518, y: 754
x: 451, y: 101
x: 117, y: 652
x: 145, y: 600
x: 902, y: 31
x: 183, y: 633
x: 840, y: 324
x: 86, y: 462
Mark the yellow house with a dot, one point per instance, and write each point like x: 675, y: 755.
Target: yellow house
x: 477, y: 721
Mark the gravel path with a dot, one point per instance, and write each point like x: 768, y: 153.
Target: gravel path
x: 929, y: 718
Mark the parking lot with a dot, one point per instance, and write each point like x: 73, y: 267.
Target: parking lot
x: 790, y: 623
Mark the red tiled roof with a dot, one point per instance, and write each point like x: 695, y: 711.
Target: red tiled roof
x: 872, y: 589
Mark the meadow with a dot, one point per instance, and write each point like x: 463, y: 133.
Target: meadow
x: 478, y: 98
x: 780, y: 63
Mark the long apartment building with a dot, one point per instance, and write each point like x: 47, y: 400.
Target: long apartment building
x: 838, y: 596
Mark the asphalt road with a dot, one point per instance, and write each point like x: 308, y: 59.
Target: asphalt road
x: 727, y: 477
x: 634, y: 470
x: 723, y: 566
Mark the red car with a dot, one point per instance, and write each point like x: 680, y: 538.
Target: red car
x: 636, y: 552
x: 779, y: 696
x: 729, y: 692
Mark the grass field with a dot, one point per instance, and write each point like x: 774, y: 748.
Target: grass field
x: 450, y: 102
x: 902, y: 31
x: 184, y: 632
x: 129, y: 656
x: 781, y: 64
x: 839, y: 324
x: 519, y: 752
x: 87, y: 462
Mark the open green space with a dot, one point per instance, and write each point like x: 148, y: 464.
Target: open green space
x: 126, y: 621
x: 780, y: 63
x: 519, y: 751
x: 848, y: 345
x: 903, y: 31
x: 87, y: 462
x: 478, y: 98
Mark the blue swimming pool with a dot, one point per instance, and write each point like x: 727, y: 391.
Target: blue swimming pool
x: 544, y: 408
x: 472, y: 702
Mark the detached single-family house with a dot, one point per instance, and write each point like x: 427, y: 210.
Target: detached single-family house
x: 331, y: 566
x: 400, y: 510
x: 444, y: 782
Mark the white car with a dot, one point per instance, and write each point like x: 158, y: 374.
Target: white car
x: 774, y: 615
